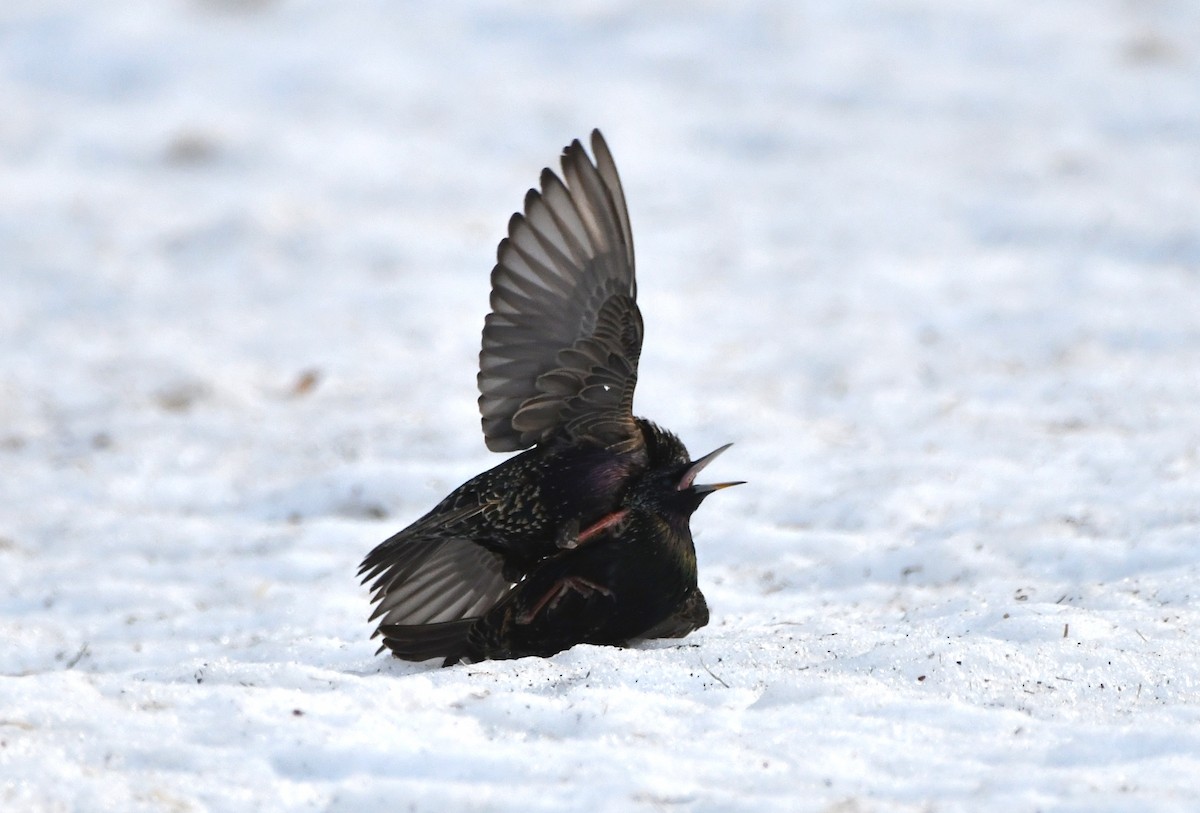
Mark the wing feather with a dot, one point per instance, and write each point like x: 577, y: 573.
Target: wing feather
x: 561, y: 345
x: 433, y: 580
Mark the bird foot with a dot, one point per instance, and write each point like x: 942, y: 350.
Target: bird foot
x: 578, y: 584
x: 568, y: 535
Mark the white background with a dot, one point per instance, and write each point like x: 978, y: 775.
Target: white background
x: 934, y: 267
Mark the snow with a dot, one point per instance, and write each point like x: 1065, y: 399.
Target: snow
x: 933, y: 266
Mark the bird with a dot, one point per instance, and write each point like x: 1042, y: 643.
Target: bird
x: 630, y: 576
x: 557, y: 372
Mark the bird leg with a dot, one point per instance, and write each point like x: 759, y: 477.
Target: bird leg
x: 571, y: 537
x: 582, y: 586
x: 601, y: 525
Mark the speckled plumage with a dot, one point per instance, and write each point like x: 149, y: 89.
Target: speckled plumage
x: 487, y: 533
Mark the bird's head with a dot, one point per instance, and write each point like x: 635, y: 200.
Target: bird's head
x: 673, y: 489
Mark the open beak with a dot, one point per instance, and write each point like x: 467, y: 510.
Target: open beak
x: 689, y: 476
x: 708, y: 488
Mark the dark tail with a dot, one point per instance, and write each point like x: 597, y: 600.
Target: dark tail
x: 421, y: 642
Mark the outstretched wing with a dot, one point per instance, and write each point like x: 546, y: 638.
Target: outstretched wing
x: 561, y: 345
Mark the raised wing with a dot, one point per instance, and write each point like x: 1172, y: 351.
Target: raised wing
x: 561, y: 345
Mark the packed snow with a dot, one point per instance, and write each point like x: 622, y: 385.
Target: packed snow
x: 933, y: 267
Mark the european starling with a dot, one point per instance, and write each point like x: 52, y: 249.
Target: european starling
x: 631, y: 576
x: 557, y: 372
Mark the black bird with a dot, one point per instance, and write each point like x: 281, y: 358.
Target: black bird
x: 631, y: 576
x: 557, y: 372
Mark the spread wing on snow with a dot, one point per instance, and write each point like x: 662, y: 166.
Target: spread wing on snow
x: 561, y: 345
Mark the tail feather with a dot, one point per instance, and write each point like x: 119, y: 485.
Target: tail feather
x: 422, y: 642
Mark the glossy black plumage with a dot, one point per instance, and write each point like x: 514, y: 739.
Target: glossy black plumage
x: 631, y: 577
x: 558, y: 367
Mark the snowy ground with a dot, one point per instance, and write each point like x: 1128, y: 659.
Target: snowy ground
x: 933, y: 266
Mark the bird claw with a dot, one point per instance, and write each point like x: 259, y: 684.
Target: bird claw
x: 584, y: 587
x: 568, y: 535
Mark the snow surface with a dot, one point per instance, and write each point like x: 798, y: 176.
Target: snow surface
x: 933, y: 266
